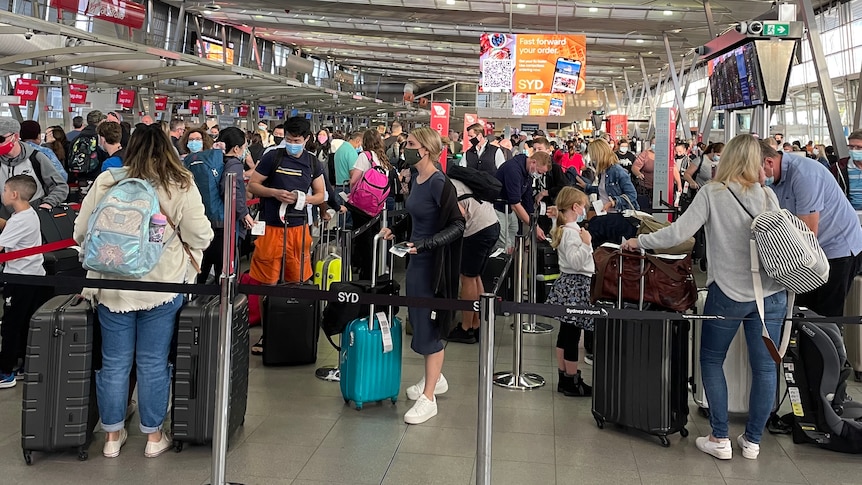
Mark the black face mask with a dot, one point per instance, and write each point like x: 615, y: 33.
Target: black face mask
x: 474, y: 141
x: 678, y: 157
x: 277, y: 139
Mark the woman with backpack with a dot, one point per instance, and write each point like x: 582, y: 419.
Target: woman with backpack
x: 720, y: 208
x: 139, y: 325
x: 363, y: 192
x: 235, y: 150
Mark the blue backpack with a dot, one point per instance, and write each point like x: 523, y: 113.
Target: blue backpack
x: 207, y: 168
x: 118, y: 232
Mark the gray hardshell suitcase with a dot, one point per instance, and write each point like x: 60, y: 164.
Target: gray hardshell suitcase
x: 194, y: 401
x: 853, y: 333
x: 59, y: 409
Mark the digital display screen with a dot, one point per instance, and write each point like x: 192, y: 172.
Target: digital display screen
x: 735, y: 79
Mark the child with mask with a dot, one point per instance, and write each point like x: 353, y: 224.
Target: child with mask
x: 573, y: 245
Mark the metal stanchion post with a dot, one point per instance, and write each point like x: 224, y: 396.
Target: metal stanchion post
x: 486, y: 391
x: 228, y: 290
x: 532, y: 326
x: 330, y: 373
x: 516, y: 379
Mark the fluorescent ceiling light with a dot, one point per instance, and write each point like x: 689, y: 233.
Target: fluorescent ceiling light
x: 593, y: 9
x: 311, y: 21
x: 450, y: 2
x: 639, y: 41
x: 622, y: 59
x: 521, y: 5
x: 668, y: 13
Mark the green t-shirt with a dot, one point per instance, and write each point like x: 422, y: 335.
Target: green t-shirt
x: 345, y: 157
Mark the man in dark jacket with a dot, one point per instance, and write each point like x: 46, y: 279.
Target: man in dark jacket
x: 482, y: 155
x: 17, y: 158
x: 517, y: 176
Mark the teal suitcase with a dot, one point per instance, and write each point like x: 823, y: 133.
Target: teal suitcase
x: 367, y: 373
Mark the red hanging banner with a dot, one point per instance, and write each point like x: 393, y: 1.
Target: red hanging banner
x: 27, y: 89
x: 618, y: 126
x: 195, y: 105
x: 121, y: 12
x: 126, y: 98
x: 243, y: 110
x: 161, y: 103
x: 440, y: 117
x: 77, y: 93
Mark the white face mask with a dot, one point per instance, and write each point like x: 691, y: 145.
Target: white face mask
x: 624, y: 149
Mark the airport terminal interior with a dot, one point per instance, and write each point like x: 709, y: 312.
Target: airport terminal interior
x: 704, y: 70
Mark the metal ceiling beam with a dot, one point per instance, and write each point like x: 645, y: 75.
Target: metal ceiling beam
x: 61, y: 51
x: 42, y: 68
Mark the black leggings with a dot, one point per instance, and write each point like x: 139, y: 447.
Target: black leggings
x: 568, y: 340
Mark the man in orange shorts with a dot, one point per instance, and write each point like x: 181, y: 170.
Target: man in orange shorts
x: 282, y: 180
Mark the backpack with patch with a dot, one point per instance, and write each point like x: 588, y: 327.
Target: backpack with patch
x: 85, y: 155
x: 118, y: 232
x: 485, y: 187
x: 207, y: 168
x: 369, y: 194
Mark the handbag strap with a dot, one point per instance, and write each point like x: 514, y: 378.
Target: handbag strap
x: 740, y: 202
x: 777, y: 353
x: 185, y: 246
x: 664, y: 267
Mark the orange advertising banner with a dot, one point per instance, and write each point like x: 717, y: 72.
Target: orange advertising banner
x: 538, y: 104
x: 533, y: 63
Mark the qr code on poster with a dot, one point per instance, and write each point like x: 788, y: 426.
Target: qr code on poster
x: 520, y: 105
x: 497, y: 74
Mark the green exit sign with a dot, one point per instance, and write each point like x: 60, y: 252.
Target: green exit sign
x: 776, y: 30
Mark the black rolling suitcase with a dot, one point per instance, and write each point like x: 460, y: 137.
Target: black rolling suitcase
x: 56, y: 225
x: 492, y: 274
x: 193, y: 408
x: 59, y: 408
x: 640, y: 373
x: 291, y: 327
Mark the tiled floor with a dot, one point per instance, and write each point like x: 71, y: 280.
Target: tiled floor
x: 299, y: 432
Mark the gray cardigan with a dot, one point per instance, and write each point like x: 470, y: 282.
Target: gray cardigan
x: 728, y: 232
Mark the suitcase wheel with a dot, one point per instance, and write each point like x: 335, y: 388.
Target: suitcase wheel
x: 703, y: 412
x: 83, y: 454
x: 600, y: 421
x: 683, y: 432
x: 394, y: 399
x: 178, y: 446
x: 346, y: 401
x: 358, y: 406
x: 664, y: 441
x: 28, y: 458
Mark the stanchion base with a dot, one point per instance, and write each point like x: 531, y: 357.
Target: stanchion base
x: 329, y: 374
x: 232, y: 483
x: 537, y: 328
x: 525, y: 382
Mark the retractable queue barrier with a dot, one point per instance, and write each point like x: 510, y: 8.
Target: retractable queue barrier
x: 516, y: 379
x: 228, y: 292
x: 531, y: 326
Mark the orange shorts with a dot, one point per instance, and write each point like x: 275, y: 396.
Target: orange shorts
x: 267, y: 256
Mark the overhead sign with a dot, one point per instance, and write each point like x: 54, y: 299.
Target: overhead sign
x: 195, y: 105
x: 279, y: 113
x: 27, y: 89
x: 77, y: 93
x: 533, y: 63
x: 213, y: 49
x: 243, y: 110
x: 618, y: 126
x: 538, y: 104
x: 440, y: 117
x: 225, y: 120
x: 126, y: 98
x: 161, y: 103
x: 261, y: 111
x: 120, y: 12
x: 776, y: 29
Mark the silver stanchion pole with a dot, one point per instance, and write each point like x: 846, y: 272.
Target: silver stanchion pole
x: 486, y: 391
x: 517, y: 379
x: 228, y: 289
x: 532, y: 326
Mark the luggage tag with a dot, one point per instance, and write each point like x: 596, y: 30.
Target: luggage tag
x: 385, y: 331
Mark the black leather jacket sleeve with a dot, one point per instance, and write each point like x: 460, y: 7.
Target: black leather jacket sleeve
x: 446, y: 236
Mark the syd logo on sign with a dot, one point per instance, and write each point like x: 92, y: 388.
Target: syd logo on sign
x: 530, y: 85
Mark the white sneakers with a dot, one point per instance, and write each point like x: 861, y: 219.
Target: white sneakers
x: 749, y: 450
x: 722, y: 449
x: 423, y: 410
x: 112, y: 448
x: 416, y: 390
x: 156, y: 448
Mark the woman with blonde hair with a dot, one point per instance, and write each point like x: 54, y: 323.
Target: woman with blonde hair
x: 437, y: 227
x: 614, y: 190
x: 720, y: 207
x: 139, y: 325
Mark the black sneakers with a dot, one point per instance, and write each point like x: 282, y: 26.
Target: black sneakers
x: 460, y: 335
x: 574, y: 386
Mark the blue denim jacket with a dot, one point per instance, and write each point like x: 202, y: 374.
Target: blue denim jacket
x: 618, y: 182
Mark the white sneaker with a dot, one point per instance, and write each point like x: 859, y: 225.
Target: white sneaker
x: 423, y: 410
x: 416, y: 390
x: 112, y: 448
x: 749, y: 450
x: 156, y: 448
x: 720, y: 450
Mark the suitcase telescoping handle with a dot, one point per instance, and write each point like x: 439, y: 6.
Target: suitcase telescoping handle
x: 642, y: 258
x: 375, y: 258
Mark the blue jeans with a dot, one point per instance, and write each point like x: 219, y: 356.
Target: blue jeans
x: 716, y: 339
x: 144, y: 336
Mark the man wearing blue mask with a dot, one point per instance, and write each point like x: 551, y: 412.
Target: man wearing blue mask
x: 805, y: 188
x: 345, y: 158
x: 848, y: 171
